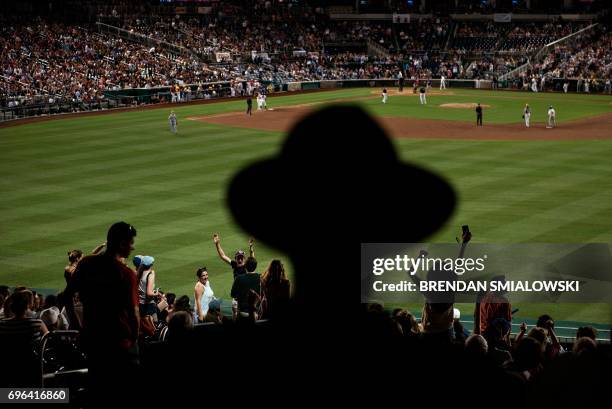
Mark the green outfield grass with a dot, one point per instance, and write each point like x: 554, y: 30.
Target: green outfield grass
x: 64, y: 182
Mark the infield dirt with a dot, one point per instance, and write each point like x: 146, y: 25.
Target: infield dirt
x: 283, y: 118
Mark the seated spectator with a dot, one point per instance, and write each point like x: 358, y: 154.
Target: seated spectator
x: 588, y: 332
x: 51, y: 315
x: 179, y: 326
x: 476, y: 346
x: 165, y: 311
x: 20, y: 336
x: 214, y: 313
x: 584, y: 346
x: 181, y: 304
x: 527, y: 358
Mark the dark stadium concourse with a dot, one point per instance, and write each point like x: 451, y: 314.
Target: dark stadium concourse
x: 111, y: 334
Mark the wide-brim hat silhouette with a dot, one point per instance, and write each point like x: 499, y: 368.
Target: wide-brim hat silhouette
x: 337, y: 179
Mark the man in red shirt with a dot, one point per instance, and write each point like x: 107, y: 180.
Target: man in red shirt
x: 494, y: 305
x: 109, y: 293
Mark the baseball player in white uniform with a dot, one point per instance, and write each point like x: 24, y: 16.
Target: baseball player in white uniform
x: 527, y: 114
x: 552, y: 117
x: 173, y: 122
x: 534, y: 84
x: 442, y: 83
x: 384, y: 96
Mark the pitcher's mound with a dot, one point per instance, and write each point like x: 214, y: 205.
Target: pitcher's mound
x: 469, y: 105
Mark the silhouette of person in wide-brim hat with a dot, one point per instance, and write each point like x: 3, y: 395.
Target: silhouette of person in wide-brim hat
x: 337, y: 182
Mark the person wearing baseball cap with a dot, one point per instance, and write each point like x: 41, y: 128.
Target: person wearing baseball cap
x: 238, y: 263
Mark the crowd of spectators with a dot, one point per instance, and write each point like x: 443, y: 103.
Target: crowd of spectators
x: 79, y: 63
x: 522, y: 363
x: 586, y: 58
x: 27, y: 316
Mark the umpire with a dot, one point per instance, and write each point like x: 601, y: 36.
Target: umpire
x: 478, y: 115
x: 249, y: 102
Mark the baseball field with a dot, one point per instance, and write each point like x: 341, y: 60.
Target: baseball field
x: 65, y: 181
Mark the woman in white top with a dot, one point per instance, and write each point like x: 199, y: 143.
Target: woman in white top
x: 203, y: 295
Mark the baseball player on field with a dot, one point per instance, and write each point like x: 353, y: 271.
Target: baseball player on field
x: 552, y: 117
x: 422, y: 95
x: 173, y: 122
x: 442, y: 83
x: 526, y: 115
x: 384, y: 96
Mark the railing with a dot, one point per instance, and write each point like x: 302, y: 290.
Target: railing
x: 542, y: 52
x: 144, y: 39
x: 377, y: 49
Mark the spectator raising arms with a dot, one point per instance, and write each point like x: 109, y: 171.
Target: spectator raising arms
x: 238, y: 264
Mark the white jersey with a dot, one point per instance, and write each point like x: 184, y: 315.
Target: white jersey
x: 551, y: 113
x: 207, y: 296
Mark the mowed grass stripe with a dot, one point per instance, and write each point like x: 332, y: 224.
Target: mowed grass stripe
x: 142, y: 152
x: 134, y: 165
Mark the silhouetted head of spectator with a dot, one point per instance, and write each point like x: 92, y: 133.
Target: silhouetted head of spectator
x: 528, y: 354
x: 540, y: 335
x: 476, y: 346
x: 584, y: 346
x: 499, y: 329
x: 74, y: 256
x: 120, y: 239
x: 376, y: 308
x: 545, y: 321
x: 182, y: 304
x: 179, y: 326
x: 20, y: 302
x: 407, y: 323
x: 588, y: 331
x: 51, y: 301
x: 170, y: 298
x: 51, y: 318
x: 250, y: 265
x: 274, y: 274
x: 398, y: 311
x: 340, y: 166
